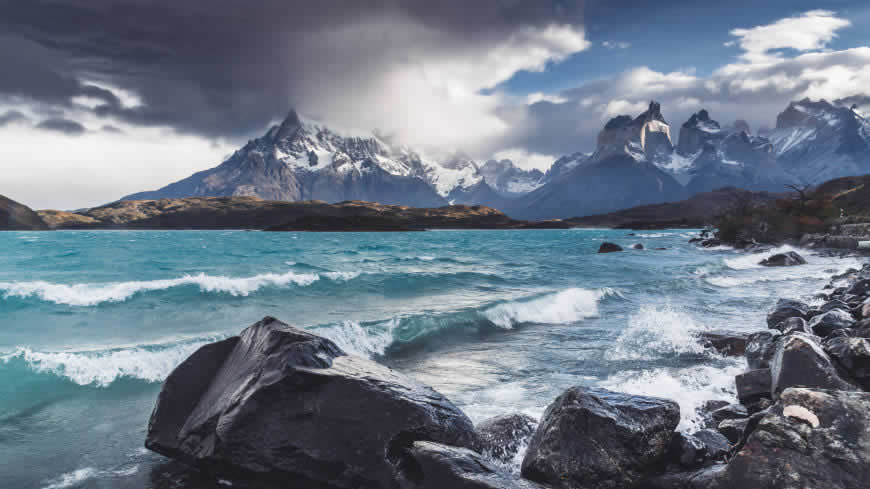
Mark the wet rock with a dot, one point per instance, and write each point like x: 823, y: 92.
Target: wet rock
x: 760, y: 348
x: 705, y: 411
x: 758, y: 405
x: 861, y: 329
x: 724, y: 342
x: 703, y: 478
x: 503, y: 436
x: 732, y: 429
x: 753, y: 385
x: 853, y: 356
x: 784, y: 309
x: 810, y: 439
x: 731, y: 411
x: 280, y: 404
x: 429, y: 465
x: 788, y: 259
x: 801, y: 362
x: 824, y: 324
x: 859, y: 288
x: 687, y: 451
x: 637, y: 246
x: 793, y: 325
x: 833, y: 304
x: 716, y: 444
x: 594, y: 438
x: 712, y: 242
x: 607, y: 247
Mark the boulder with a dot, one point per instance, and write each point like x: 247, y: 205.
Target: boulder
x: 810, y: 439
x: 801, y: 362
x: 278, y: 404
x: 784, y: 309
x: 637, y: 246
x: 833, y: 304
x: 724, y: 342
x: 732, y: 429
x: 759, y: 404
x: 607, y: 247
x: 753, y: 385
x: 824, y: 324
x: 687, y: 451
x: 760, y: 348
x: 788, y: 259
x: 715, y: 443
x: 429, y: 465
x: 593, y: 438
x: 731, y: 411
x: 853, y: 356
x: 703, y: 478
x: 712, y: 242
x: 792, y: 325
x: 502, y: 437
x: 705, y: 411
x: 859, y: 288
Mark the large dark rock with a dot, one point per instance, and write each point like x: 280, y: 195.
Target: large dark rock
x: 788, y: 259
x: 502, y: 437
x: 810, y: 439
x: 792, y: 325
x: 784, y: 309
x: 853, y: 355
x: 724, y: 342
x: 824, y: 324
x: 429, y: 465
x: 705, y: 412
x: 760, y: 348
x: 731, y: 411
x: 859, y: 288
x: 716, y: 444
x: 833, y: 304
x: 801, y: 362
x: 281, y: 405
x: 608, y: 247
x: 753, y: 385
x: 732, y: 429
x: 687, y: 451
x: 594, y: 438
x: 703, y: 478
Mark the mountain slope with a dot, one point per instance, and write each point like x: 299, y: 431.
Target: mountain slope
x: 19, y: 217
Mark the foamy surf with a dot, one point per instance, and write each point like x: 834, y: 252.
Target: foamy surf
x: 92, y: 294
x: 79, y: 476
x: 566, y: 306
x: 656, y: 331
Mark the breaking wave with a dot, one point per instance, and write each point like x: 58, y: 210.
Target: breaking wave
x: 656, y: 331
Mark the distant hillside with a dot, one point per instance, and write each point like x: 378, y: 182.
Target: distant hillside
x: 254, y: 213
x: 697, y: 211
x: 18, y: 217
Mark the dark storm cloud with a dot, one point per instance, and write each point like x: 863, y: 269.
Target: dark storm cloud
x: 66, y: 126
x: 224, y: 68
x: 12, y: 116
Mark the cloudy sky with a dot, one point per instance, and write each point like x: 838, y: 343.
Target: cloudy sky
x: 101, y: 98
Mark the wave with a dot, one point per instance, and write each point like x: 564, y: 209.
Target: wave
x: 656, y: 331
x: 751, y: 260
x: 77, y: 477
x: 746, y: 270
x: 691, y: 387
x: 567, y: 306
x: 151, y: 363
x: 92, y: 294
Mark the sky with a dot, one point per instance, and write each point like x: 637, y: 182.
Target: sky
x: 102, y: 98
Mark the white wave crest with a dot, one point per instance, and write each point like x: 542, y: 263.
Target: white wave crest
x: 656, y: 331
x: 76, y: 477
x: 566, y: 306
x: 751, y: 260
x: 746, y: 269
x: 364, y: 341
x: 151, y: 363
x: 690, y: 387
x: 92, y: 294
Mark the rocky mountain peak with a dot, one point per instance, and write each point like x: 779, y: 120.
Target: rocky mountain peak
x: 653, y: 113
x: 646, y: 136
x: 289, y: 127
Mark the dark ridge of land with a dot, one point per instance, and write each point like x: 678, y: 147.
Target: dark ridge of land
x: 254, y: 213
x: 18, y: 217
x: 695, y: 212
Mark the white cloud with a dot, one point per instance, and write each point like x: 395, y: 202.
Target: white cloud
x: 810, y: 31
x: 616, y: 44
x: 525, y: 159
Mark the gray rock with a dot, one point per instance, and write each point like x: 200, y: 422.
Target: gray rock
x: 859, y: 288
x: 705, y: 411
x: 608, y: 247
x: 593, y: 438
x: 760, y: 348
x: 687, y: 451
x: 853, y: 355
x: 637, y: 246
x: 429, y: 465
x: 811, y: 439
x: 724, y: 342
x: 792, y: 325
x: 278, y: 404
x: 502, y: 437
x: 801, y: 362
x: 732, y: 429
x: 784, y: 309
x: 824, y: 324
x: 833, y: 304
x: 703, y: 478
x: 716, y: 444
x: 753, y: 385
x: 731, y: 411
x: 788, y: 259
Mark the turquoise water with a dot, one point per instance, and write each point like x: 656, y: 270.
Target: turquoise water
x: 499, y: 321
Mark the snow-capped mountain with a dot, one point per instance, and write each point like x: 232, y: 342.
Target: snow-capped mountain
x: 510, y: 180
x: 305, y: 160
x: 819, y: 141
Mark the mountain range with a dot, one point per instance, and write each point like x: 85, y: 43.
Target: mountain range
x: 636, y: 162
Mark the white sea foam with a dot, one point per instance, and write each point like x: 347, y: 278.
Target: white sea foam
x: 656, y: 331
x: 77, y: 477
x: 690, y: 387
x: 151, y: 363
x: 751, y: 260
x: 91, y: 294
x: 745, y: 269
x: 566, y: 306
x: 356, y: 339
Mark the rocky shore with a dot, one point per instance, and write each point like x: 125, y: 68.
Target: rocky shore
x: 277, y: 406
